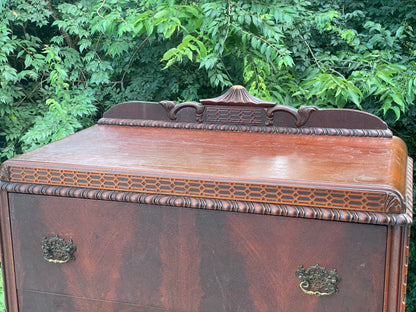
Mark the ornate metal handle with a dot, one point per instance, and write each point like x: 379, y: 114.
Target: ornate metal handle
x: 57, y: 250
x: 317, y: 280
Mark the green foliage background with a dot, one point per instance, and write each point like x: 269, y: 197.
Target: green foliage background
x: 62, y: 63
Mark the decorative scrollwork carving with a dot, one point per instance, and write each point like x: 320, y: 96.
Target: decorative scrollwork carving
x: 393, y: 202
x: 57, y: 250
x: 239, y: 96
x: 301, y: 115
x: 317, y: 280
x: 167, y: 105
x: 172, y: 108
x: 4, y: 172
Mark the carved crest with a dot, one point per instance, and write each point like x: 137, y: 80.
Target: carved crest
x: 224, y: 109
x: 238, y: 96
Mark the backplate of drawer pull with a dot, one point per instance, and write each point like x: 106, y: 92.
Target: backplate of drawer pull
x: 317, y: 281
x: 57, y: 250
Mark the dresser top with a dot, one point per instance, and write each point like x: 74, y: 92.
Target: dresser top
x: 357, y: 173
x: 231, y: 155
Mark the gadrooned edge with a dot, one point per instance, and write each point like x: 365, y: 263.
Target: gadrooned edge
x: 243, y: 128
x: 214, y: 204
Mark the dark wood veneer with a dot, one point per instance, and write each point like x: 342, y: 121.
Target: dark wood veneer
x: 192, y: 260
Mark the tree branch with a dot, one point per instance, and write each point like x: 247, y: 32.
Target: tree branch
x: 131, y: 60
x: 66, y: 35
x: 99, y: 8
x: 28, y: 95
x: 310, y: 51
x: 257, y: 37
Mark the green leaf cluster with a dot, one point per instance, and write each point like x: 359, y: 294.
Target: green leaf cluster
x: 63, y: 63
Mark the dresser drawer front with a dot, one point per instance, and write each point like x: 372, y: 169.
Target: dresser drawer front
x: 161, y: 258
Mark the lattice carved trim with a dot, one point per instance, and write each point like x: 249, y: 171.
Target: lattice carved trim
x: 339, y: 197
x: 213, y: 204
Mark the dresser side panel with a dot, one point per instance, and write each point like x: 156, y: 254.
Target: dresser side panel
x: 396, y: 268
x: 7, y: 259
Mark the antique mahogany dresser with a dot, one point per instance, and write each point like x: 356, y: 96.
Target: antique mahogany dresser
x: 226, y: 204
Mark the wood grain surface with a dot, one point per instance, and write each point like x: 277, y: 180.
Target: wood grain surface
x: 375, y: 161
x: 133, y: 257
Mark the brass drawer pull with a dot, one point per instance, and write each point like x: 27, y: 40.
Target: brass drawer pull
x: 317, y: 280
x: 57, y: 250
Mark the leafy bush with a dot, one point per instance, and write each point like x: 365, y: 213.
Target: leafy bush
x: 62, y: 63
